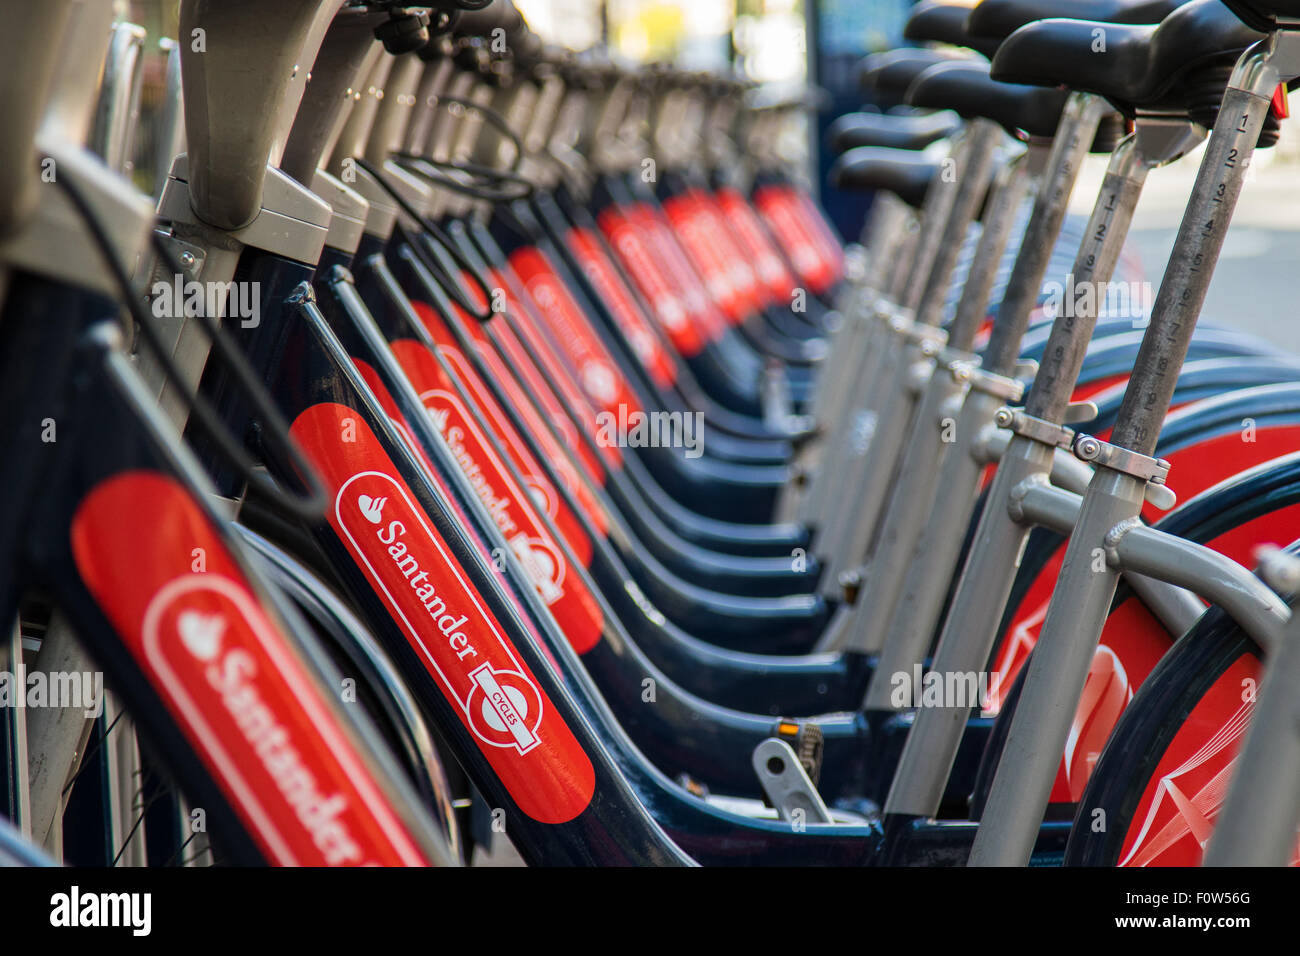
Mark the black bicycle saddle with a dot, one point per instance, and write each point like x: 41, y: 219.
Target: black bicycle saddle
x: 901, y: 171
x: 934, y: 21
x: 887, y: 75
x: 897, y: 132
x: 969, y: 90
x: 1179, y: 63
x: 995, y: 20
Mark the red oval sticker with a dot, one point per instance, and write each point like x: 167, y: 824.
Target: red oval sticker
x: 179, y: 601
x: 516, y: 726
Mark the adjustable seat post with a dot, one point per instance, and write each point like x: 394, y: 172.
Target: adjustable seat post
x: 985, y: 584
x: 983, y: 137
x: 1083, y: 594
x: 937, y: 216
x: 1157, y: 140
x: 1075, y: 133
x: 929, y: 560
x: 919, y: 454
x: 1079, y: 122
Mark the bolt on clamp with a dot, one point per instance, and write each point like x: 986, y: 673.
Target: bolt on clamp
x: 989, y: 383
x: 926, y: 336
x: 949, y: 356
x: 1036, y: 429
x: 1153, y: 471
x: 887, y: 311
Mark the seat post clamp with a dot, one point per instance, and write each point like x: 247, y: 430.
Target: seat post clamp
x: 989, y: 383
x: 1035, y: 429
x: 930, y: 338
x: 1105, y: 455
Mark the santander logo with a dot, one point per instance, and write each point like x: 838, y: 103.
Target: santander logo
x: 441, y: 615
x: 446, y: 620
x: 197, y: 626
x: 502, y: 706
x: 372, y: 508
x: 201, y: 633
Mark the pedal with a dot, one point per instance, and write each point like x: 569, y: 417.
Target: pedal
x: 808, y: 743
x: 786, y: 783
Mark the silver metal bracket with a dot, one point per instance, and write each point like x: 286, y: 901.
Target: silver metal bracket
x: 990, y: 383
x: 926, y: 336
x: 1154, y: 471
x: 1274, y: 60
x: 1035, y: 429
x: 291, y: 222
x: 189, y: 255
x: 1043, y: 431
x: 1077, y: 412
x: 1025, y: 369
x: 949, y: 356
x: 1102, y: 453
x: 932, y: 349
x: 1159, y: 139
x: 961, y: 370
x: 884, y: 309
x: 787, y: 785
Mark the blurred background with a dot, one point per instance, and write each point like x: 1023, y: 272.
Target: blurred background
x: 771, y: 41
x: 821, y: 42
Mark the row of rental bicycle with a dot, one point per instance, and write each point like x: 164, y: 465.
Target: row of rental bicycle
x: 472, y: 441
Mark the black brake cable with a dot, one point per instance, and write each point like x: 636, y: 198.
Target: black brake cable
x: 494, y: 119
x: 511, y: 175
x: 275, y: 435
x: 434, y: 232
x: 523, y: 188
